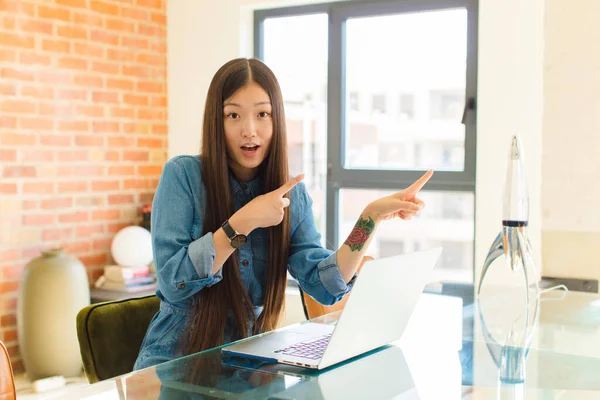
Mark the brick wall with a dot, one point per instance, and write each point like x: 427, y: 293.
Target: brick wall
x: 83, y: 130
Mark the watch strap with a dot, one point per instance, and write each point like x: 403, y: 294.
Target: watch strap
x: 229, y: 231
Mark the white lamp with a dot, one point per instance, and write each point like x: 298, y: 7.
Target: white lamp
x: 132, y: 247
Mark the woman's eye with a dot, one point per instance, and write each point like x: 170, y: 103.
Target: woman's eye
x: 263, y: 114
x: 233, y: 115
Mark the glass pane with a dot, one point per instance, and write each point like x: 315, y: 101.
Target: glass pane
x: 405, y: 91
x: 298, y: 57
x: 446, y: 221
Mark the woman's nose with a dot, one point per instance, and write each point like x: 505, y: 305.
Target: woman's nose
x: 249, y: 129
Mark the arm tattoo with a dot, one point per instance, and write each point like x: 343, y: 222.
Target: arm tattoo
x: 360, y: 234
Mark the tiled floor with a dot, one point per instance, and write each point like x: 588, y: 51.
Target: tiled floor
x: 25, y: 388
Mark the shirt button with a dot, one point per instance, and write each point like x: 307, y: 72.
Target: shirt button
x: 181, y: 286
x: 245, y: 263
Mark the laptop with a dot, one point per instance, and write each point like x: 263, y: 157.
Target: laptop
x: 376, y: 313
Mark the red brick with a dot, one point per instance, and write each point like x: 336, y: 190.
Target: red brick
x: 122, y: 112
x: 72, y: 187
x: 104, y: 8
x: 54, y: 13
x: 8, y: 122
x: 10, y: 336
x: 73, y: 94
x: 8, y: 56
x: 114, y: 228
x: 8, y: 320
x: 103, y: 186
x: 135, y: 71
x: 89, y: 19
x: 55, y: 140
x: 89, y: 140
x: 34, y: 59
x: 105, y: 68
x: 17, y: 74
x: 102, y: 244
x: 89, y: 50
x: 73, y: 63
x: 158, y: 101
x: 104, y: 37
x: 89, y: 81
x: 112, y: 156
x: 78, y: 247
x: 36, y: 26
x: 119, y: 199
x: 39, y: 219
x: 150, y: 143
x: 135, y: 99
x: 89, y: 230
x: 31, y: 155
x: 149, y: 30
x: 72, y: 32
x: 17, y: 106
x: 17, y: 139
x: 135, y: 156
x: 57, y: 234
x: 8, y: 188
x: 7, y: 155
x: 159, y: 128
x: 146, y: 198
x: 55, y: 77
x: 38, y: 187
x: 72, y: 3
x: 95, y: 201
x: 54, y: 203
x: 106, y: 127
x: 122, y: 84
x: 147, y: 86
x: 8, y: 89
x: 135, y: 13
x: 149, y: 3
x: 73, y: 155
x: 136, y: 184
x: 19, y: 171
x: 120, y: 25
x: 15, y: 40
x: 121, y: 170
x: 149, y: 170
x: 78, y: 216
x: 89, y: 170
x: 74, y: 126
x: 159, y: 18
x: 30, y: 205
x: 36, y: 124
x: 105, y: 97
x: 45, y: 92
x: 105, y: 215
x: 9, y: 255
x: 8, y: 287
x: 120, y: 141
x: 62, y: 46
x: 96, y: 259
x: 90, y: 111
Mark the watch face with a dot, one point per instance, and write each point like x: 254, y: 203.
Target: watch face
x: 238, y: 241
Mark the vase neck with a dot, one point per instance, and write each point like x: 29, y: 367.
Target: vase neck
x: 50, y: 253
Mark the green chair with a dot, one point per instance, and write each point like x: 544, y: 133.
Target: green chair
x: 110, y: 335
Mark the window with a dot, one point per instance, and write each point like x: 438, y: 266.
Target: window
x: 387, y: 117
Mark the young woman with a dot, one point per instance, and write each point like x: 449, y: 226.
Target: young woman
x: 238, y: 195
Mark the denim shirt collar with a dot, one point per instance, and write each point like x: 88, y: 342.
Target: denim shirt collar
x: 253, y: 186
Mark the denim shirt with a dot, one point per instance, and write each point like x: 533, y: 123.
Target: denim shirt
x: 184, y: 255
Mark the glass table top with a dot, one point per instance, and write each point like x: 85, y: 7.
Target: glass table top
x: 453, y: 348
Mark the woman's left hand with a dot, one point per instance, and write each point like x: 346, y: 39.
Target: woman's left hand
x: 403, y: 204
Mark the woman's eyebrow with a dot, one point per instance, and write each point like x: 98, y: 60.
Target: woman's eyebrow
x: 228, y: 103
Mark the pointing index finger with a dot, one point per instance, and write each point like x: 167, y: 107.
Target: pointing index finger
x: 289, y: 185
x: 419, y: 183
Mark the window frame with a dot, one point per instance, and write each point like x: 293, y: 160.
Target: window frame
x: 339, y: 177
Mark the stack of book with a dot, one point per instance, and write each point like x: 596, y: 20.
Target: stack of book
x: 126, y: 279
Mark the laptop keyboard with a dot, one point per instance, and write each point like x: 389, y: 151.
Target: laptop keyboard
x: 312, y: 349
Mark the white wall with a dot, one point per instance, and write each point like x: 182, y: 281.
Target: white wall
x: 201, y: 37
x: 571, y: 148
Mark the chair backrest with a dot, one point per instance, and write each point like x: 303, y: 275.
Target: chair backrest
x: 110, y: 335
x: 314, y: 309
x: 7, y: 379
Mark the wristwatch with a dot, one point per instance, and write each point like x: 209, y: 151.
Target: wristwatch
x: 236, y: 239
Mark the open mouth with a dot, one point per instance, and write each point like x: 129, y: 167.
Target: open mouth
x: 250, y: 149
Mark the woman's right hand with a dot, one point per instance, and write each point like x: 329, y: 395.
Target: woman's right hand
x: 265, y: 210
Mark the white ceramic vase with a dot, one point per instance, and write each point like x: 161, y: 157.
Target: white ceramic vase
x: 53, y: 289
